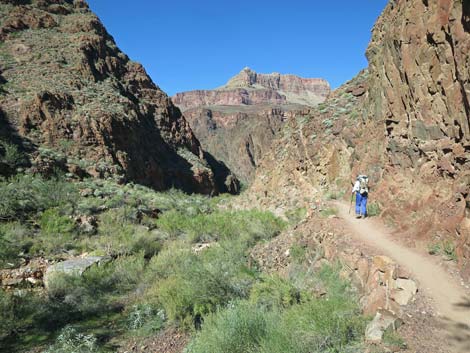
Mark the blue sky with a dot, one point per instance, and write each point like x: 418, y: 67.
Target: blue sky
x: 200, y: 44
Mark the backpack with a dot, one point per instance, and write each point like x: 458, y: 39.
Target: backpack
x: 364, y: 184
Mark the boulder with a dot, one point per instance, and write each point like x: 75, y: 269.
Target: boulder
x: 404, y: 291
x: 383, y: 320
x: 75, y: 266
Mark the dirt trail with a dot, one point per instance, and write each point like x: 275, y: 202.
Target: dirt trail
x: 450, y: 300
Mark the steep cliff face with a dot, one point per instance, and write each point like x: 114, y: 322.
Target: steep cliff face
x: 238, y: 122
x: 420, y: 88
x: 404, y: 122
x: 65, y: 85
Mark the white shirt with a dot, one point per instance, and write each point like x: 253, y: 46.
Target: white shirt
x: 357, y: 186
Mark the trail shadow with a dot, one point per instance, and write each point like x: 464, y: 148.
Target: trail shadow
x: 465, y: 303
x: 457, y: 334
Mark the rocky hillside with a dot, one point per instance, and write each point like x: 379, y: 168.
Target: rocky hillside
x: 237, y: 122
x: 404, y: 122
x: 66, y: 89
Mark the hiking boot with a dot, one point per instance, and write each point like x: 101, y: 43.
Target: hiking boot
x: 363, y: 216
x: 358, y: 216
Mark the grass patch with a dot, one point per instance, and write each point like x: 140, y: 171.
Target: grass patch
x: 445, y: 249
x: 393, y: 339
x: 295, y: 216
x: 298, y: 252
x: 330, y: 211
x: 334, y: 195
x: 373, y: 209
x: 251, y: 226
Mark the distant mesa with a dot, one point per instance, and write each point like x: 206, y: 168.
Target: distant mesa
x: 251, y: 88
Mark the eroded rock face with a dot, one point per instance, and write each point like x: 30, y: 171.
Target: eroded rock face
x: 404, y: 122
x: 238, y: 122
x: 419, y: 60
x: 65, y: 85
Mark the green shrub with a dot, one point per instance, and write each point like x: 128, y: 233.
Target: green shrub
x: 12, y: 156
x: 315, y: 326
x: 144, y: 320
x: 119, y: 236
x: 448, y: 248
x: 17, y: 311
x: 70, y: 341
x: 238, y: 329
x: 24, y: 194
x: 274, y: 292
x: 296, y: 215
x: 444, y: 248
x: 330, y: 211
x: 392, y: 339
x: 434, y: 248
x: 219, y: 225
x: 280, y: 319
x: 53, y: 223
x: 189, y: 286
x: 373, y: 209
x: 56, y: 233
x: 334, y: 195
x: 8, y: 319
x: 297, y: 253
x: 95, y: 291
x: 8, y: 250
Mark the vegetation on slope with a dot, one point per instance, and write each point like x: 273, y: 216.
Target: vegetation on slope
x: 173, y: 260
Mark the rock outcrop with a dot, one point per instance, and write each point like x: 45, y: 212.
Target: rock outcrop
x: 404, y: 121
x: 66, y: 86
x: 237, y: 122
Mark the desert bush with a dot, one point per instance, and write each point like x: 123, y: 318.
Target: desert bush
x: 144, y: 319
x: 329, y: 211
x: 373, y: 209
x: 296, y: 215
x: 17, y: 311
x: 98, y: 289
x: 274, y: 292
x: 329, y: 324
x: 118, y: 235
x: 315, y: 326
x: 334, y: 195
x: 189, y: 286
x: 253, y: 225
x: 444, y: 248
x: 24, y: 194
x: 240, y: 328
x: 56, y: 233
x: 8, y: 250
x: 297, y: 253
x: 71, y: 341
x: 12, y: 156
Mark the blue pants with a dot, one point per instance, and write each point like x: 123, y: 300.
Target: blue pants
x: 361, y: 204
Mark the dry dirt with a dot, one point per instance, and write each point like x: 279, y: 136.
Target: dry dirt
x: 449, y: 300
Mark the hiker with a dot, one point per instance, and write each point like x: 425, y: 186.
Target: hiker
x: 362, y: 190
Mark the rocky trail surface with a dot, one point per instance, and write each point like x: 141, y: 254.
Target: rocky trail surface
x: 450, y: 301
